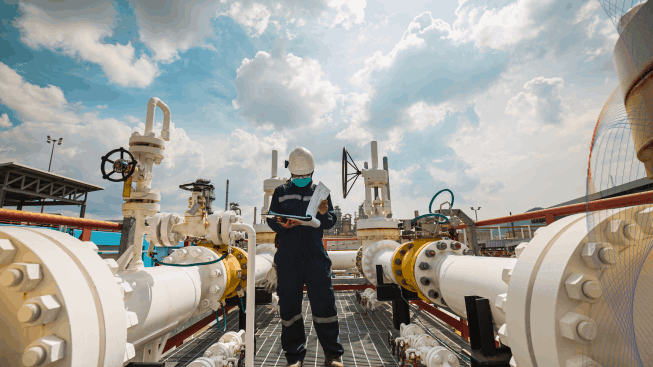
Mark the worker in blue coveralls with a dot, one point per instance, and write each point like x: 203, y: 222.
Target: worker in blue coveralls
x: 302, y: 260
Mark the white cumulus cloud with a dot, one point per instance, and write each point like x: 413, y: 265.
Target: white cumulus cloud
x: 284, y: 90
x: 72, y: 33
x: 4, y: 121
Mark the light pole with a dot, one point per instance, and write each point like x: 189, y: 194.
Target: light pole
x: 54, y: 142
x: 476, y: 211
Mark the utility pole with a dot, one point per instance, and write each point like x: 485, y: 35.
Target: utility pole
x: 54, y: 142
x: 476, y: 212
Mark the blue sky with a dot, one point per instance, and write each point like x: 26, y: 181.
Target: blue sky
x: 496, y: 100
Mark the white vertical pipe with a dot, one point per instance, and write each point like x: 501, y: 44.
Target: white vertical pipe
x: 274, y: 163
x: 530, y: 234
x: 375, y: 156
x: 522, y: 233
x: 251, y: 291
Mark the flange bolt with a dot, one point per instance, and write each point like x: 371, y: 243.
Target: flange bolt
x: 29, y: 312
x: 430, y: 253
x: 424, y: 266
x: 11, y: 277
x: 441, y: 246
x: 434, y: 294
x: 425, y: 281
x: 34, y: 356
x: 455, y: 245
x: 398, y: 272
x: 398, y: 261
x: 608, y: 255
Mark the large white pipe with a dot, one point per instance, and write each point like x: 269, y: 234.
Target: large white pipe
x: 251, y: 291
x: 264, y: 260
x: 462, y: 276
x: 274, y: 163
x: 149, y: 120
x: 341, y: 260
x: 162, y: 298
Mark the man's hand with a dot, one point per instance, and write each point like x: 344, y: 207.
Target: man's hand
x: 324, y: 207
x: 289, y: 223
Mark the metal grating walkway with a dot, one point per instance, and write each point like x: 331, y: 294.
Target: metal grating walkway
x: 364, y: 337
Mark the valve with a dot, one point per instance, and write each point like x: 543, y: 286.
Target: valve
x: 120, y: 165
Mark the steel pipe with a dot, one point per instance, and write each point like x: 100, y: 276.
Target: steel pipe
x: 341, y: 260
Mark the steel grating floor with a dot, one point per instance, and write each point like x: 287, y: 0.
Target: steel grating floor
x: 364, y: 336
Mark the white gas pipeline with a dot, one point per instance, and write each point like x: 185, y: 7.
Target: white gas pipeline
x: 224, y: 353
x: 420, y: 347
x: 342, y: 260
x: 560, y: 301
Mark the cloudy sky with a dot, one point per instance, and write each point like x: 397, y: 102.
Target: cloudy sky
x: 494, y: 99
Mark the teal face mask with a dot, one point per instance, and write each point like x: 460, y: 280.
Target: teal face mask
x: 301, y: 182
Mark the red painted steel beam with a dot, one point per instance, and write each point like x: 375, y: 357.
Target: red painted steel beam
x: 31, y: 217
x: 178, y: 339
x: 551, y: 213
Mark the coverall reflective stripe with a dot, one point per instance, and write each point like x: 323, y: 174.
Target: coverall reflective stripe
x: 302, y: 260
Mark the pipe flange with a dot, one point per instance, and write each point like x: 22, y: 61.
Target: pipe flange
x: 359, y: 260
x: 426, y: 269
x: 213, y: 291
x: 370, y: 254
x: 70, y: 290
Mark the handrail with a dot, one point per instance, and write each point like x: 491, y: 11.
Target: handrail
x: 24, y: 216
x: 550, y: 213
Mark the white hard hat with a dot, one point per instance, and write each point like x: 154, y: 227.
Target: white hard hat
x: 301, y: 162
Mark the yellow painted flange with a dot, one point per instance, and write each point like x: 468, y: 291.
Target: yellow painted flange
x: 235, y: 264
x: 404, y: 269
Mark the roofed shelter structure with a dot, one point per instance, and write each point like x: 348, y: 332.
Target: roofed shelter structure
x: 22, y: 186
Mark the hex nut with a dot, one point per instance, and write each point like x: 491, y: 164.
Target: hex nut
x: 398, y: 272
x: 410, y: 246
x: 53, y: 347
x: 434, y: 294
x: 398, y: 261
x: 430, y: 253
x: 425, y: 281
x: 131, y: 319
x: 575, y: 287
x: 31, y: 276
x: 39, y: 310
x: 500, y: 302
x: 569, y: 326
x: 506, y: 274
x: 112, y: 265
x: 455, y: 245
x: 520, y: 248
x: 503, y: 334
x: 7, y: 251
x: 127, y: 291
x: 424, y: 266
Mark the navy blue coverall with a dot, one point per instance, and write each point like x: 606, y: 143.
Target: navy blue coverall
x: 302, y: 260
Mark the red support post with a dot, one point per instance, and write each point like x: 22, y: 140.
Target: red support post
x: 86, y: 234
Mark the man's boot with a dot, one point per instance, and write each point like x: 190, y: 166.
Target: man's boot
x: 333, y: 359
x: 295, y: 364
